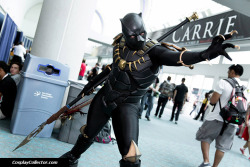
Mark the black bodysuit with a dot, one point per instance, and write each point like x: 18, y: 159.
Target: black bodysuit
x: 132, y: 72
x: 135, y: 66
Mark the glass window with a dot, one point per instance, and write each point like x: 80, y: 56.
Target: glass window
x: 106, y: 61
x: 188, y: 81
x: 178, y: 79
x: 198, y: 81
x: 238, y: 58
x: 163, y: 77
x: 208, y: 83
x: 90, y: 62
x: 173, y: 76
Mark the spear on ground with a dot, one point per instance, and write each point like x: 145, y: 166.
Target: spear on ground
x: 66, y: 110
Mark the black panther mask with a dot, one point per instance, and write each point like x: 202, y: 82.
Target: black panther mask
x: 133, y: 31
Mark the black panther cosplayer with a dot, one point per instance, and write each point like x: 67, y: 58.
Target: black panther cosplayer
x: 135, y: 66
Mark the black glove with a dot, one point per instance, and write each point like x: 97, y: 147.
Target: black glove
x: 218, y: 48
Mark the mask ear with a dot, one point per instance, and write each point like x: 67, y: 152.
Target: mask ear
x: 140, y: 14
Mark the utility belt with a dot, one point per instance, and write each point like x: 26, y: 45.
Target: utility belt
x: 112, y: 98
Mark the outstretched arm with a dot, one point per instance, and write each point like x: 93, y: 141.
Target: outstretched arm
x: 164, y: 56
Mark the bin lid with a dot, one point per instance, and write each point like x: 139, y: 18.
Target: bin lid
x: 46, y: 70
x: 77, y: 84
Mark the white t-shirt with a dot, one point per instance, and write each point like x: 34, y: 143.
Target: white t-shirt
x: 19, y: 50
x: 224, y: 89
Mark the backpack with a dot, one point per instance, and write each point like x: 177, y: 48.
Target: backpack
x: 104, y: 136
x: 166, y: 89
x: 235, y: 110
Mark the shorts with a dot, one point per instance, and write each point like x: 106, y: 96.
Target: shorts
x: 210, y: 131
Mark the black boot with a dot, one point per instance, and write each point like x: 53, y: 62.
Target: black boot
x: 124, y: 163
x: 73, y: 161
x: 82, y: 144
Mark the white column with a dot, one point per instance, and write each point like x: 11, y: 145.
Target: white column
x: 62, y: 31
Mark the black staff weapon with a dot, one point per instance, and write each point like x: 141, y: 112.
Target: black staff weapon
x: 188, y: 19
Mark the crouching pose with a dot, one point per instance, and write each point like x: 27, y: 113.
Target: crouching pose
x: 135, y: 66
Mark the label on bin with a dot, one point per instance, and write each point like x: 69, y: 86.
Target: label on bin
x: 43, y: 95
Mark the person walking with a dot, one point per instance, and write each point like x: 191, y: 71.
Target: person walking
x: 211, y: 128
x: 82, y: 70
x: 179, y: 99
x: 246, y: 134
x: 194, y: 106
x: 166, y: 90
x: 19, y: 52
x: 203, y: 108
x: 149, y: 98
x: 94, y: 72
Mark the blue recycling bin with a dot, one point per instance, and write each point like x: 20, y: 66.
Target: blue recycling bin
x: 40, y: 94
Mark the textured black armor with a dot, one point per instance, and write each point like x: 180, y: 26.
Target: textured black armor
x: 133, y: 70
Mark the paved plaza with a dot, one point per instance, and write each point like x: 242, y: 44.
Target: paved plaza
x: 161, y: 142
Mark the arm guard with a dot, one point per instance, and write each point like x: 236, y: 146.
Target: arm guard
x: 94, y: 82
x: 165, y: 55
